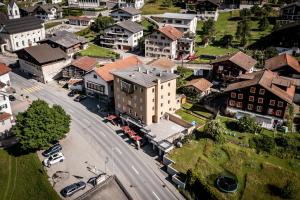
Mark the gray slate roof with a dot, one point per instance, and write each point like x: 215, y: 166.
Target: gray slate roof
x: 66, y: 39
x: 177, y: 16
x: 44, y: 53
x: 141, y: 77
x: 129, y: 10
x: 130, y: 26
x: 21, y: 24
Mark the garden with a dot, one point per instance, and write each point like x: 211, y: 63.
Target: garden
x: 265, y: 164
x: 98, y: 52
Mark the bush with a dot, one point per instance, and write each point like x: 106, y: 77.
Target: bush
x: 264, y: 143
x: 289, y: 191
x: 281, y: 141
x: 248, y: 124
x: 214, y: 130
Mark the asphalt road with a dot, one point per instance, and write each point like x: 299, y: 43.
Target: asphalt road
x: 140, y: 179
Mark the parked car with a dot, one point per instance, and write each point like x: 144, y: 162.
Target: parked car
x: 72, y: 189
x: 53, y: 159
x: 72, y: 93
x: 80, y: 98
x: 11, y: 97
x: 52, y: 150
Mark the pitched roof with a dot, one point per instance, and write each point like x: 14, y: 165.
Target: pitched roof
x: 171, y: 32
x: 105, y: 71
x: 177, y: 16
x: 281, y: 61
x: 85, y: 63
x: 270, y: 81
x: 29, y: 9
x: 130, y: 26
x: 47, y: 7
x: 4, y: 69
x: 3, y: 17
x: 200, y: 84
x: 66, y: 39
x: 163, y: 63
x: 21, y: 24
x: 241, y: 59
x: 11, y: 3
x: 44, y: 53
x: 4, y: 116
x: 144, y: 76
x: 129, y: 10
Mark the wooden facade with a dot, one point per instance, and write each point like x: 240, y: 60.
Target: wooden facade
x: 73, y: 72
x: 287, y: 71
x: 226, y: 71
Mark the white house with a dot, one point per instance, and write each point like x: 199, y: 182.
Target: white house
x: 86, y: 3
x: 183, y: 22
x: 20, y: 33
x: 126, y: 13
x: 123, y: 35
x: 56, y: 1
x: 48, y: 11
x: 13, y: 11
x: 42, y: 62
x: 138, y: 4
x: 81, y: 20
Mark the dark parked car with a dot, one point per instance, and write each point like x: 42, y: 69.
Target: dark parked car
x: 72, y: 189
x: 54, y: 149
x: 11, y: 97
x: 80, y: 98
x: 72, y: 93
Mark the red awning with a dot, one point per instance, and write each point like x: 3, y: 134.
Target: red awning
x: 131, y: 133
x: 125, y: 128
x: 136, y: 138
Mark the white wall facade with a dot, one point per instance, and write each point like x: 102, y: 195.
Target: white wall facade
x: 50, y: 16
x: 5, y: 125
x: 5, y: 79
x: 122, y: 16
x: 93, y: 77
x: 56, y: 1
x: 13, y: 12
x: 138, y: 4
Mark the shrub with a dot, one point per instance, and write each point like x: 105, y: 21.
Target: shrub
x: 281, y: 141
x: 248, y: 124
x: 264, y: 143
x: 289, y: 191
x: 214, y: 130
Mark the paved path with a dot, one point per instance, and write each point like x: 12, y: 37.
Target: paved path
x: 136, y: 170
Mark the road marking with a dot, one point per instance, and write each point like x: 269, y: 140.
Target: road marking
x: 156, y: 196
x: 118, y: 150
x: 136, y: 171
x: 33, y: 88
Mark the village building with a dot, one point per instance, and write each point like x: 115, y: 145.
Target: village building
x: 290, y: 13
x: 81, y: 20
x: 285, y: 65
x: 182, y: 22
x: 126, y: 13
x: 227, y: 68
x: 68, y: 42
x: 43, y: 11
x: 87, y: 4
x: 204, y: 9
x: 163, y: 64
x: 200, y: 86
x: 13, y: 10
x: 262, y: 94
x: 123, y: 35
x: 137, y: 4
x: 98, y: 83
x: 20, y: 33
x: 42, y: 62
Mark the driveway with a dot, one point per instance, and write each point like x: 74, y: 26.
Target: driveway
x: 92, y: 141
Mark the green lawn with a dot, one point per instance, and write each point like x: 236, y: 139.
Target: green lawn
x: 23, y: 177
x: 52, y: 24
x: 197, y: 110
x: 190, y: 118
x: 155, y: 7
x: 99, y: 52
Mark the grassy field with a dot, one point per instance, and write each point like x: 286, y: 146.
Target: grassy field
x: 52, y: 24
x: 189, y: 117
x: 23, y: 177
x: 155, y: 7
x: 197, y: 110
x: 255, y: 172
x: 96, y: 51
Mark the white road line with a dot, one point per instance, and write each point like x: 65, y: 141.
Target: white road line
x: 156, y: 196
x: 118, y: 150
x: 134, y: 169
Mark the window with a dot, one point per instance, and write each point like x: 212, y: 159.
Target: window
x: 130, y: 111
x: 162, y: 96
x: 260, y: 100
x: 271, y: 111
x: 239, y: 104
x: 232, y: 103
x: 153, y: 108
x: 280, y: 104
x: 250, y: 106
x: 153, y: 90
x: 169, y: 101
x: 95, y: 76
x: 141, y: 108
x: 272, y: 102
x: 169, y: 84
x: 153, y: 100
x: 251, y: 98
x: 161, y: 105
x: 233, y: 95
x: 261, y: 91
x: 141, y: 90
x: 278, y: 112
x: 161, y: 87
x: 252, y: 89
x: 17, y: 44
x: 240, y: 96
x: 169, y: 93
x: 258, y: 108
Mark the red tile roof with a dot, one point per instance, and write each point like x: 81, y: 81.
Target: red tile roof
x: 4, y: 69
x: 4, y: 116
x: 163, y: 62
x: 200, y: 84
x: 171, y: 32
x: 104, y: 72
x: 241, y: 59
x: 281, y: 61
x: 85, y: 63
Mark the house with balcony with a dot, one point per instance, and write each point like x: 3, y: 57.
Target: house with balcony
x: 290, y: 13
x: 126, y: 13
x: 43, y: 11
x: 137, y: 4
x: 263, y: 94
x: 87, y: 4
x: 182, y: 22
x: 204, y: 9
x: 123, y: 35
x: 227, y: 68
x: 81, y: 20
x: 168, y: 42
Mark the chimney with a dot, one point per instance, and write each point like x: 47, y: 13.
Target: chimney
x: 139, y: 69
x: 147, y: 71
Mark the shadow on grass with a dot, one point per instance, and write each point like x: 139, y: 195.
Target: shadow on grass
x: 274, y: 190
x: 17, y: 150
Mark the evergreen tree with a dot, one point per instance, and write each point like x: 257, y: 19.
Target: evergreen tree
x: 208, y: 30
x: 263, y: 23
x: 243, y: 31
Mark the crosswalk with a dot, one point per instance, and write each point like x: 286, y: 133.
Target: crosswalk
x: 34, y: 88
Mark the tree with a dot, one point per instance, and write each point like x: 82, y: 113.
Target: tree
x: 263, y: 23
x: 41, y: 125
x: 215, y: 130
x: 248, y: 124
x: 245, y: 13
x: 243, y: 31
x: 167, y: 3
x: 289, y: 191
x: 208, y: 30
x: 226, y: 40
x: 101, y: 23
x: 270, y: 52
